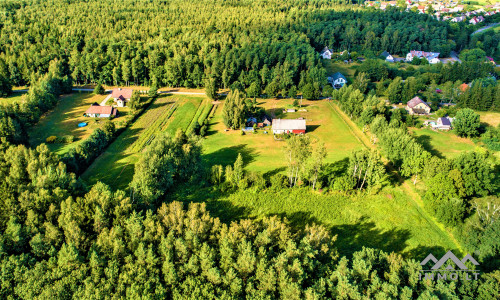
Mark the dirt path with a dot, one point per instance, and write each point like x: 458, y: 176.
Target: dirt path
x: 409, y: 189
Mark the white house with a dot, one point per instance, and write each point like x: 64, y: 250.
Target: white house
x: 432, y: 57
x: 97, y: 111
x: 387, y: 56
x: 443, y: 123
x: 327, y: 53
x: 337, y: 80
x: 121, y: 96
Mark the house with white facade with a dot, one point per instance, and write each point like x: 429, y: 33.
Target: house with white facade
x: 326, y: 53
x: 432, y: 57
x: 337, y: 80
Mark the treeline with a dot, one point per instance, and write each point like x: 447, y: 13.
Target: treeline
x: 453, y: 187
x: 481, y: 95
x: 60, y: 240
x: 42, y: 96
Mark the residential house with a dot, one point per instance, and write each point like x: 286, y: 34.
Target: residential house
x: 417, y: 106
x: 296, y: 126
x: 266, y: 121
x: 121, y: 96
x: 337, y: 80
x: 97, y: 111
x: 443, y: 123
x: 388, y: 57
x: 327, y: 53
x: 463, y: 87
x: 432, y: 57
x: 459, y: 19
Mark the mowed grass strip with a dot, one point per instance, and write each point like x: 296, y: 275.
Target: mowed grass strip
x: 115, y: 166
x: 184, y: 115
x: 263, y: 153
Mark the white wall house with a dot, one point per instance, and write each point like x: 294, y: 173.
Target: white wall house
x: 432, y: 57
x: 337, y: 80
x: 327, y: 53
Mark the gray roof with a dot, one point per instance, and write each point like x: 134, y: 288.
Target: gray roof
x: 385, y: 54
x: 337, y: 76
x: 445, y: 121
x: 289, y: 124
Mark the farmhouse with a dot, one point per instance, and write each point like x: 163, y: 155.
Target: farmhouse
x: 327, y: 53
x: 443, y: 123
x: 337, y: 80
x: 97, y: 111
x: 432, y: 57
x: 121, y: 96
x: 417, y: 106
x: 387, y: 56
x: 289, y: 126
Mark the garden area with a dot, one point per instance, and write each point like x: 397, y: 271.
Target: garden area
x: 62, y: 122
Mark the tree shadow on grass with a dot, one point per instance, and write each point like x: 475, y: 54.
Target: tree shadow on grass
x: 311, y: 128
x: 425, y: 141
x: 364, y: 233
x: 271, y: 173
x: 228, y: 155
x: 420, y: 253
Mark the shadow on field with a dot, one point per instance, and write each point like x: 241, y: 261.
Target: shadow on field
x: 311, y: 128
x: 353, y: 237
x: 271, y: 173
x: 420, y: 253
x: 425, y: 141
x: 228, y: 155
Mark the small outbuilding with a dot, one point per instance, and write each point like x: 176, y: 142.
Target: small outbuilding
x: 443, y: 123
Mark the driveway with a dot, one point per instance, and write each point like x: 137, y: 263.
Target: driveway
x: 103, y: 102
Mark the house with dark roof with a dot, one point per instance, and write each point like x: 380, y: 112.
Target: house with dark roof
x: 387, y: 56
x: 296, y: 126
x: 327, y: 53
x: 97, y: 111
x: 443, y: 123
x: 121, y: 96
x: 337, y: 80
x: 417, y: 106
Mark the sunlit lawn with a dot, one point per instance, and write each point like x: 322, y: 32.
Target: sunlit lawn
x: 14, y: 97
x: 63, y: 120
x: 443, y: 143
x: 262, y: 152
x: 489, y: 117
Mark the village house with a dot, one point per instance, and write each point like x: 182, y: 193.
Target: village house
x: 387, y: 56
x: 121, y: 96
x: 417, y: 106
x: 295, y: 126
x: 443, y: 123
x: 432, y: 57
x: 337, y: 80
x: 97, y: 111
x: 327, y: 53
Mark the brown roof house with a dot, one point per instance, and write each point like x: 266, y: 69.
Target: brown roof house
x: 97, y: 111
x: 417, y: 106
x: 121, y: 96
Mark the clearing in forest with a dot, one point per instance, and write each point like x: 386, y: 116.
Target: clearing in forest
x: 115, y: 166
x: 63, y: 121
x: 262, y: 152
x: 13, y: 98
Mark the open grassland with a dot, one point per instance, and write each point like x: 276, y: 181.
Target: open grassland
x: 115, y: 166
x: 13, y: 98
x: 489, y: 117
x: 389, y: 220
x: 333, y: 67
x: 63, y: 121
x: 443, y: 143
x: 262, y: 152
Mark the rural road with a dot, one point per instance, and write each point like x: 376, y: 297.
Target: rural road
x: 485, y: 28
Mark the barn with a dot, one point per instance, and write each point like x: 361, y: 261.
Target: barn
x: 296, y: 126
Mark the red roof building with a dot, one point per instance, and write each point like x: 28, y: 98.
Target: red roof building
x: 97, y: 111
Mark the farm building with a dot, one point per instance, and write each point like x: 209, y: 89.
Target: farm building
x: 97, y: 111
x: 121, y: 96
x: 289, y: 126
x: 417, y: 106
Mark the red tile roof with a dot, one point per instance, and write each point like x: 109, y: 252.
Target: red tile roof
x: 119, y: 92
x: 102, y: 110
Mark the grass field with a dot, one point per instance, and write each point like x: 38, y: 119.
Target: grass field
x: 347, y: 69
x: 262, y: 153
x: 64, y: 118
x: 389, y: 220
x: 489, y: 117
x: 443, y: 143
x: 14, y: 97
x: 115, y: 166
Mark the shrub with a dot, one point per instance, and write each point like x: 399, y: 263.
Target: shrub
x: 68, y: 139
x: 51, y: 139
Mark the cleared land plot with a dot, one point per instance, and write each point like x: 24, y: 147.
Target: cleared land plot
x: 115, y: 166
x: 262, y: 153
x: 13, y: 98
x: 63, y: 120
x: 390, y: 220
x: 347, y: 69
x: 443, y: 143
x: 490, y: 118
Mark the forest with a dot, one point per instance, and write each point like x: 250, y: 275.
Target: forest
x: 63, y: 238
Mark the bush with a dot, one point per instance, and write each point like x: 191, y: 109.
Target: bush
x: 51, y: 139
x: 68, y: 139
